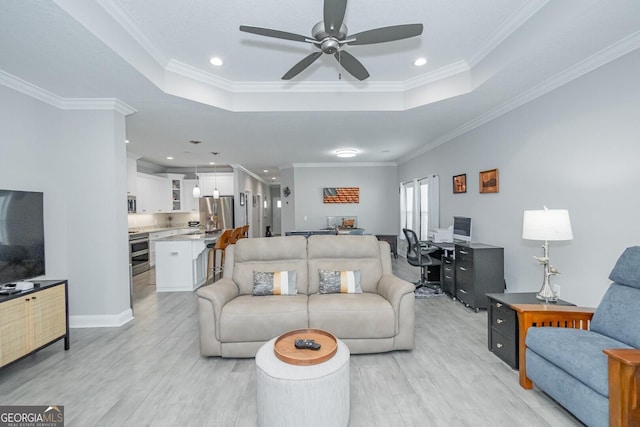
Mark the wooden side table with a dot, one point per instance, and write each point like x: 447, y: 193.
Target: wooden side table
x: 502, y: 323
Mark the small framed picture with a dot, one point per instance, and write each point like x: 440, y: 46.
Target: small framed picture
x: 460, y: 183
x: 241, y: 199
x: 489, y: 181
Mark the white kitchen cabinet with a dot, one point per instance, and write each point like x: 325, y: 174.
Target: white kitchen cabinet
x: 154, y: 195
x: 223, y: 180
x: 189, y: 203
x: 132, y: 176
x: 181, y: 265
x: 157, y: 235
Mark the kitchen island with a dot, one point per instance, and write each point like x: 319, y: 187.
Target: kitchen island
x: 181, y: 261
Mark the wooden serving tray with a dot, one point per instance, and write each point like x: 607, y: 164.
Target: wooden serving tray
x: 285, y: 349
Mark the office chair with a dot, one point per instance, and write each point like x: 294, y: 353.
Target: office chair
x: 418, y: 255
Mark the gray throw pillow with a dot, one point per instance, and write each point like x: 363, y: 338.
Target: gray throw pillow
x: 336, y: 282
x: 274, y: 283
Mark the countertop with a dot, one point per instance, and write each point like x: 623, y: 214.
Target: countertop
x: 196, y: 235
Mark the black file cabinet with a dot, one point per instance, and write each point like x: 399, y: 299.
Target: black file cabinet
x: 479, y: 269
x: 503, y: 334
x: 447, y: 275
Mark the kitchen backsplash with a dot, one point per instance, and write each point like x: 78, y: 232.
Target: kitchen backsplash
x: 160, y: 220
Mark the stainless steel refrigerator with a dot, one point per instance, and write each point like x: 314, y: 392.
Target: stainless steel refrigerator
x: 216, y: 214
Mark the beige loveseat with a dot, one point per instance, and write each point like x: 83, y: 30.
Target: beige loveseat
x: 235, y: 323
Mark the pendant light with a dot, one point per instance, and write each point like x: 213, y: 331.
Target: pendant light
x: 216, y: 193
x: 196, y: 189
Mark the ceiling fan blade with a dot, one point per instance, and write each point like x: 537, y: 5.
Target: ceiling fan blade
x: 302, y: 65
x: 334, y: 15
x: 386, y: 34
x: 273, y: 33
x: 351, y: 64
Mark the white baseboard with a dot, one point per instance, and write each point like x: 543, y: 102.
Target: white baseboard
x: 101, y: 320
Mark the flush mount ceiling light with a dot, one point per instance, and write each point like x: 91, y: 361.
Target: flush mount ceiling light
x: 347, y: 152
x: 216, y: 61
x: 420, y: 62
x: 169, y: 158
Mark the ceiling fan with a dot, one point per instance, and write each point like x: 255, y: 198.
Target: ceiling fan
x: 331, y: 35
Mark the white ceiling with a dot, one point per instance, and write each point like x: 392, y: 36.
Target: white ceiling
x: 485, y: 58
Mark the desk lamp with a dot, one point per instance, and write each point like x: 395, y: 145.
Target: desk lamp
x: 546, y: 225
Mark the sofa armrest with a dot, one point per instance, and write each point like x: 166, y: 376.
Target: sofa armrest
x: 624, y: 382
x: 393, y: 289
x: 550, y: 316
x: 218, y: 294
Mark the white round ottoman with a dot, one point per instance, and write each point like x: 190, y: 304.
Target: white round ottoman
x: 293, y: 395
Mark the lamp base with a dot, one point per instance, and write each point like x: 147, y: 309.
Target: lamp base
x: 546, y: 294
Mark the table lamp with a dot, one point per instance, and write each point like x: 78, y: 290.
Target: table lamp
x: 546, y: 225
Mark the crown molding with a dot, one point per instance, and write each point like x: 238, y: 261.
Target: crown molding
x: 248, y: 172
x: 54, y: 100
x: 595, y: 61
x: 122, y: 17
x: 518, y: 19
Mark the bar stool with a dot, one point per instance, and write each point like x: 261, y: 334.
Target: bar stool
x: 219, y: 245
x: 235, y: 235
x: 245, y: 231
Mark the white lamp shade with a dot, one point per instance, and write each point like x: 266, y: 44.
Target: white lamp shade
x: 196, y: 191
x: 552, y: 224
x: 216, y: 194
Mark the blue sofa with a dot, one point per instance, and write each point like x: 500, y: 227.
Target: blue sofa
x: 588, y: 360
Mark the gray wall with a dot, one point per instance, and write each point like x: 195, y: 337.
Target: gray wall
x: 377, y: 212
x: 78, y: 159
x: 575, y: 148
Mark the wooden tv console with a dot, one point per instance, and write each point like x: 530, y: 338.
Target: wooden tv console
x: 33, y: 319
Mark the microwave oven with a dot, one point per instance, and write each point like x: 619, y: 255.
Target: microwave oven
x: 131, y: 204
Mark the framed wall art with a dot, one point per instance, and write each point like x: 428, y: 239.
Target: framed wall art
x: 489, y: 181
x: 341, y: 195
x: 460, y: 183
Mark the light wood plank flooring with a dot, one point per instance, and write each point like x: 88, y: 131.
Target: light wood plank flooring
x: 149, y: 373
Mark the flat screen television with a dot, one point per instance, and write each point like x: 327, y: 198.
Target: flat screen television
x: 461, y: 229
x: 21, y: 235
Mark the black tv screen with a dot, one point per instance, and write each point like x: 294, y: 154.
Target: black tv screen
x: 21, y: 235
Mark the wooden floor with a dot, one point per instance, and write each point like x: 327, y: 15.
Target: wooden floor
x: 149, y: 373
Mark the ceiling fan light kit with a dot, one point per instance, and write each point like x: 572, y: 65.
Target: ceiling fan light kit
x: 331, y: 36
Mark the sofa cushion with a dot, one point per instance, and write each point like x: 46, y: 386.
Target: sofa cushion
x: 336, y: 282
x: 618, y: 315
x: 252, y: 318
x: 366, y: 315
x: 345, y: 252
x: 627, y: 268
x: 575, y: 351
x: 274, y: 283
x: 270, y: 254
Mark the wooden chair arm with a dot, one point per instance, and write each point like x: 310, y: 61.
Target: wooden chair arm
x: 624, y: 381
x: 550, y: 316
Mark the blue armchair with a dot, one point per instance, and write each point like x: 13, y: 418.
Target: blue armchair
x: 588, y: 360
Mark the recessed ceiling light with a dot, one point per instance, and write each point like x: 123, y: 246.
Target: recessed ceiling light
x: 126, y: 141
x: 169, y: 158
x: 420, y: 62
x: 273, y: 178
x: 216, y: 61
x: 266, y: 171
x: 347, y: 152
x: 212, y: 163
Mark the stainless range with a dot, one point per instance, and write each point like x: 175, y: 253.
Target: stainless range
x: 139, y: 252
